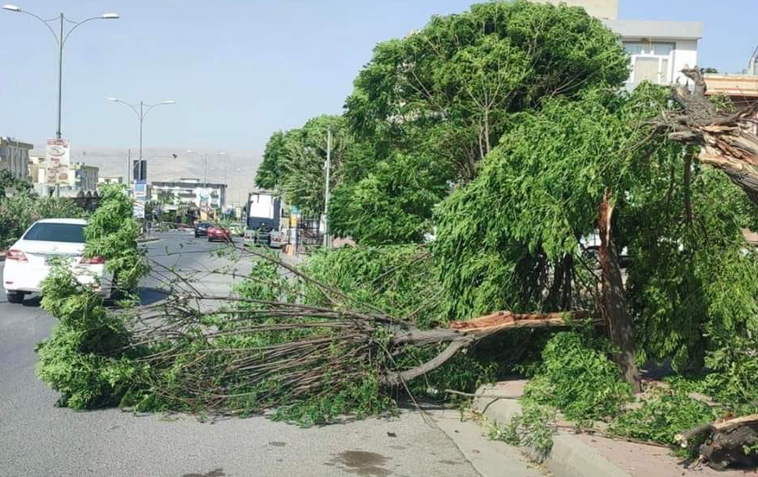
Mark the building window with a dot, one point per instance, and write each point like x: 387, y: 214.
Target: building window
x: 651, y: 61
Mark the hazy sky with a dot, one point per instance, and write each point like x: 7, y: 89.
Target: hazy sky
x: 241, y: 69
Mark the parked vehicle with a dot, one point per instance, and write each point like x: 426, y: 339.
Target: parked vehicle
x: 264, y: 220
x: 238, y: 229
x: 201, y: 229
x: 218, y: 233
x: 47, y: 242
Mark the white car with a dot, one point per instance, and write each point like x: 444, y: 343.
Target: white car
x: 30, y: 259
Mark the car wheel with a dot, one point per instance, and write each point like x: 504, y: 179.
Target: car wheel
x: 196, y: 235
x: 15, y: 296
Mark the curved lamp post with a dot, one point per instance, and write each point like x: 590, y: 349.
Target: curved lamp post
x: 141, y: 110
x: 60, y: 38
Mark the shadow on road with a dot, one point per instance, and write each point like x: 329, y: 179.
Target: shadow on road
x: 33, y: 301
x: 149, y: 295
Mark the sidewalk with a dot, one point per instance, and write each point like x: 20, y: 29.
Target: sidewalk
x: 585, y: 455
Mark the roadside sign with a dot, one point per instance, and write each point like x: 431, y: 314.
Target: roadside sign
x: 140, y: 190
x: 139, y: 210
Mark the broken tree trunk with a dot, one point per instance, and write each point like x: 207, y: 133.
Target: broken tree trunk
x: 726, y: 443
x: 728, y: 139
x: 504, y: 320
x: 461, y: 334
x: 614, y: 308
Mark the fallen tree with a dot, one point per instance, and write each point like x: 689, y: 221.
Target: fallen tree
x: 247, y: 354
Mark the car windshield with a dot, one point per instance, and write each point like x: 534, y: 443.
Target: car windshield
x: 52, y: 232
x: 203, y: 226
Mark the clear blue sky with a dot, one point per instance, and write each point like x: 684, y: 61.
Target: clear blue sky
x: 241, y: 69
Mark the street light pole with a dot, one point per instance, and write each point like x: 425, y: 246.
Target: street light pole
x: 326, y: 187
x: 60, y: 38
x: 141, y: 115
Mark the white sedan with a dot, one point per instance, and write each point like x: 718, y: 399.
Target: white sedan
x: 46, y: 242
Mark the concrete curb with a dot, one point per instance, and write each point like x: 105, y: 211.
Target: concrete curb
x: 570, y: 457
x: 148, y: 240
x: 488, y: 457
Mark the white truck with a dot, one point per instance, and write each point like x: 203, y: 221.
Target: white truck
x: 264, y: 220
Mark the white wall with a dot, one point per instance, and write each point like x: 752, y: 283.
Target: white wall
x: 685, y: 55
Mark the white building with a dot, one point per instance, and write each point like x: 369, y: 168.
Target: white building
x: 659, y: 50
x: 186, y: 191
x: 81, y: 177
x: 14, y: 157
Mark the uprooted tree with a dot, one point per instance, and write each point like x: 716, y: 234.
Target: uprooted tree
x: 556, y: 179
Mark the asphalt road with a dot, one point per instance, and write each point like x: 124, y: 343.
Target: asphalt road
x: 39, y: 439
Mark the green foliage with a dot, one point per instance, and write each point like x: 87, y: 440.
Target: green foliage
x: 293, y: 162
x: 578, y: 376
x: 89, y: 358
x: 398, y: 279
x: 692, y: 282
x: 392, y: 204
x: 84, y: 358
x: 537, y: 195
x: 112, y: 233
x: 20, y: 211
x: 361, y: 399
x: 732, y: 381
x: 8, y: 181
x: 269, y: 172
x: 448, y: 88
x: 662, y: 416
x: 534, y: 428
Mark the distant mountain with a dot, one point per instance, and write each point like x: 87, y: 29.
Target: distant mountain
x: 238, y: 167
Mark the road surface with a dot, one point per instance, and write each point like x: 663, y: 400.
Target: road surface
x: 39, y: 439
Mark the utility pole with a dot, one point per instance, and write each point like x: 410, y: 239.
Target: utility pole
x: 327, y: 242
x: 128, y: 167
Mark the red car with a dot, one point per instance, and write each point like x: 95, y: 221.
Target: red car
x: 218, y: 233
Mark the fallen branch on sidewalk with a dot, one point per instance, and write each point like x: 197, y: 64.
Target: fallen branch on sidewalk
x: 725, y: 442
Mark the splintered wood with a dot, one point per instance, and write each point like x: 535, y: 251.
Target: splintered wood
x: 504, y: 320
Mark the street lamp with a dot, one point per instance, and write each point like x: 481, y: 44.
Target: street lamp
x: 141, y: 114
x: 60, y: 39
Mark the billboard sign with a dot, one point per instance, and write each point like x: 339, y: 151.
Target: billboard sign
x: 140, y: 190
x: 58, y: 158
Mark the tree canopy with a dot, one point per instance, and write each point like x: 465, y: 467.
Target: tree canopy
x: 293, y: 162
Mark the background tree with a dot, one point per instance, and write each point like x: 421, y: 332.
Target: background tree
x: 432, y: 105
x: 457, y: 79
x: 294, y: 162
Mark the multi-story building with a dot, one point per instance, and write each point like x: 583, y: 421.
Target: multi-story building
x: 189, y: 191
x: 658, y: 50
x: 81, y: 178
x: 14, y: 157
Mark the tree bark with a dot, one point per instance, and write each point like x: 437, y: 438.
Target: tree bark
x: 728, y: 140
x: 619, y: 323
x: 725, y: 443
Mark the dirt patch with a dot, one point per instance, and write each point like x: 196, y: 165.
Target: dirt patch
x: 364, y: 464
